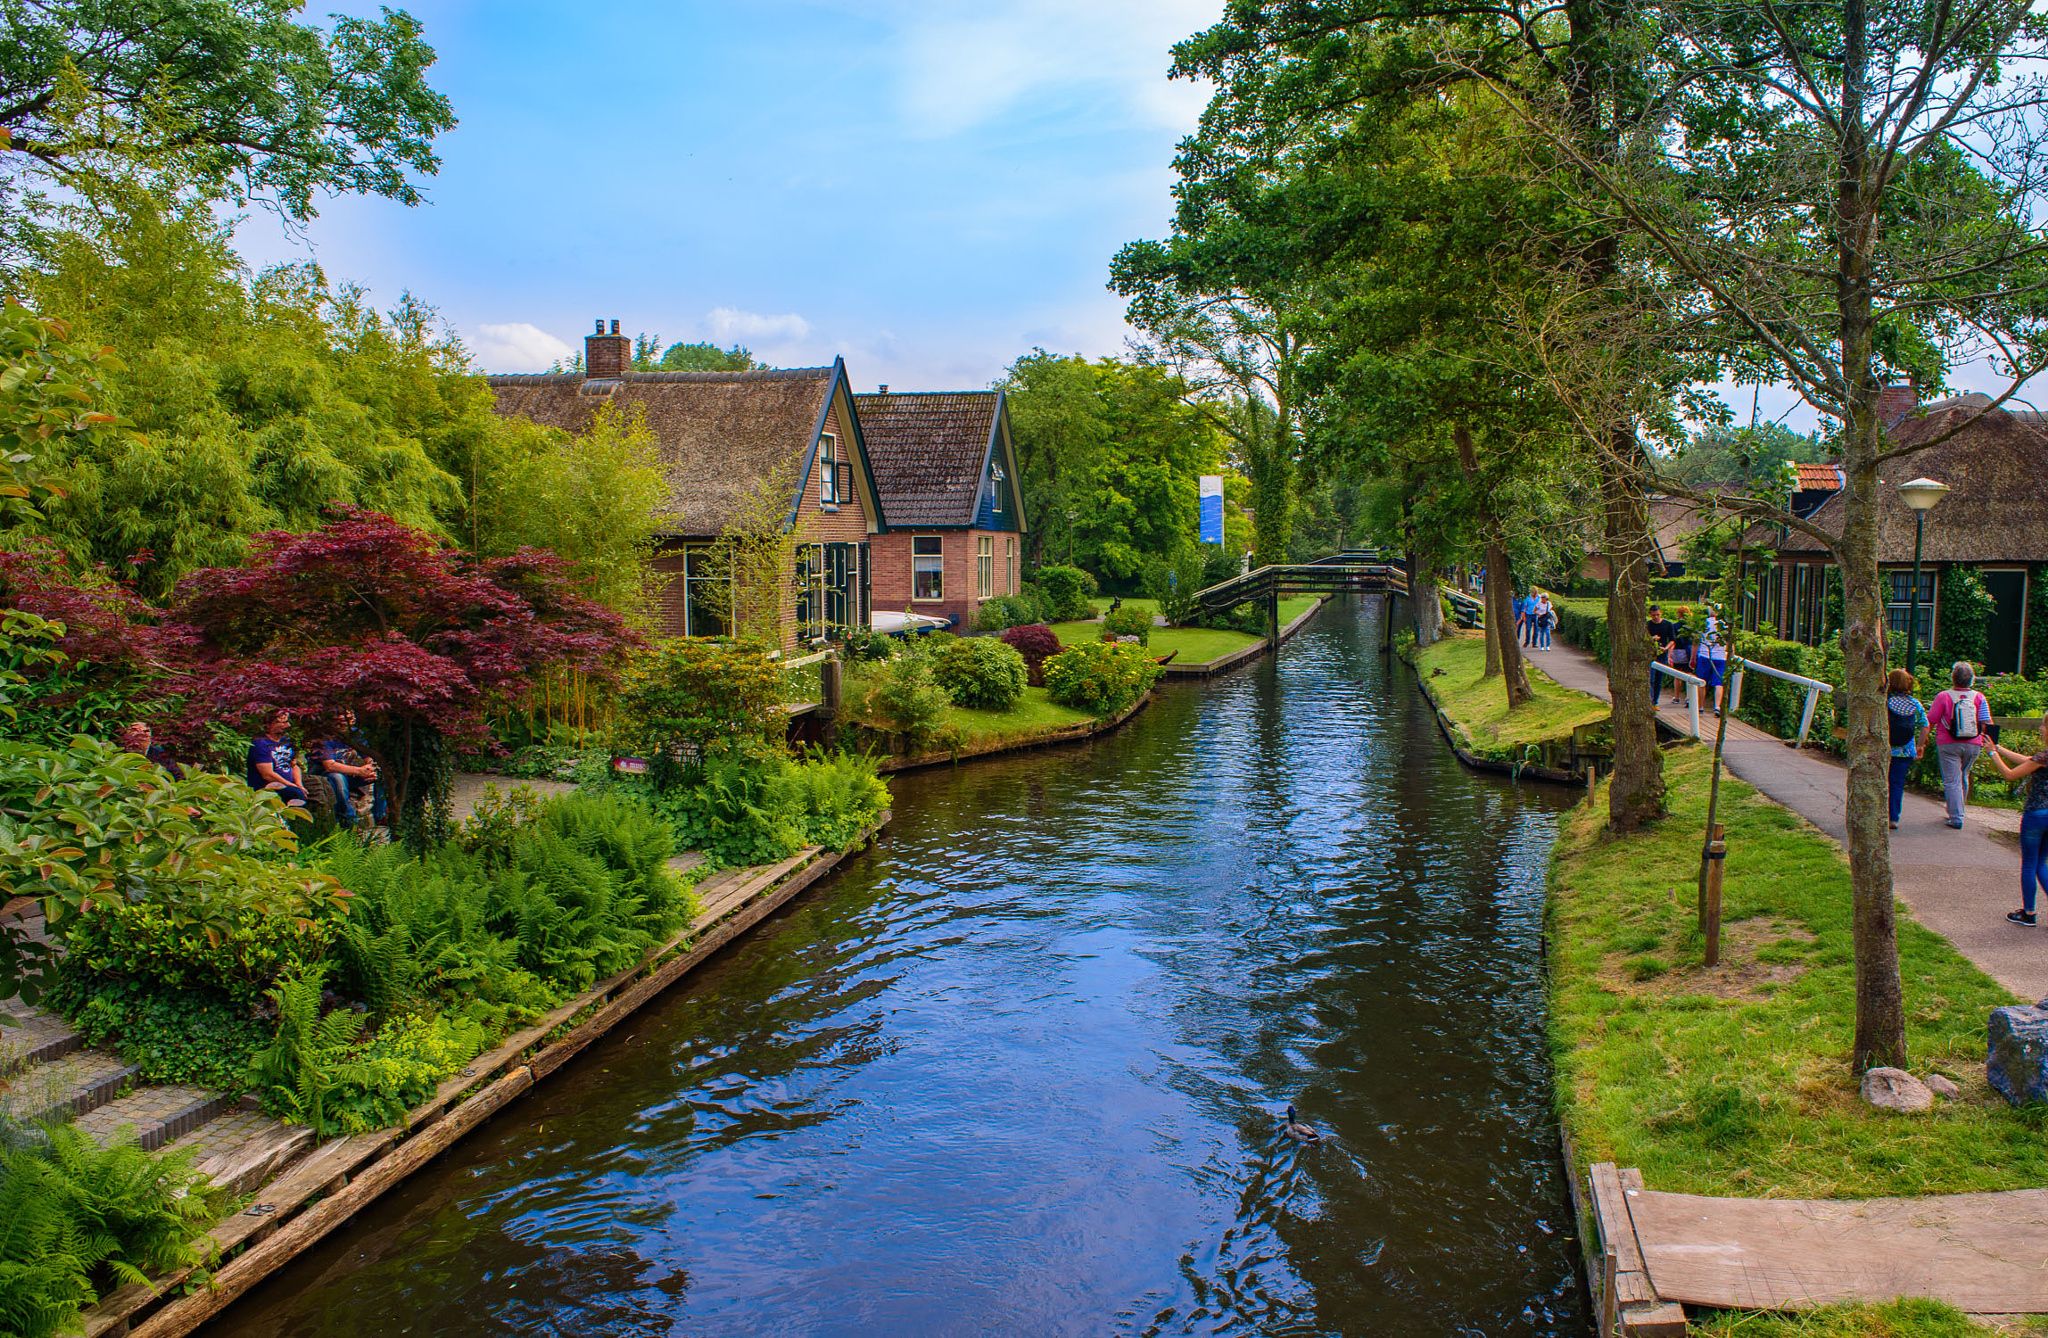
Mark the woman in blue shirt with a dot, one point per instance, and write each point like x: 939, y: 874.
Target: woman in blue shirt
x: 1908, y: 722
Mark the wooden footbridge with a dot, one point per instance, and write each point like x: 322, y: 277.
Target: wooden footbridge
x: 1354, y: 571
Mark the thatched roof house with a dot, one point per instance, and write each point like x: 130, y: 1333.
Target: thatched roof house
x: 946, y: 471
x: 1993, y: 521
x: 722, y: 437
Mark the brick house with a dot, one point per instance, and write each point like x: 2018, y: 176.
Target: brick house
x: 946, y: 471
x: 723, y: 436
x: 1990, y: 522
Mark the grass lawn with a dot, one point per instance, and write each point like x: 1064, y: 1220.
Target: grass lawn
x: 1898, y: 1319
x: 1478, y: 706
x: 1737, y: 1081
x: 1034, y: 714
x: 1194, y: 645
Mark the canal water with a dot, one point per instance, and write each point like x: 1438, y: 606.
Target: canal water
x: 1020, y: 1068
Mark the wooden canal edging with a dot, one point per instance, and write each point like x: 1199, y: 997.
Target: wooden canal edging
x: 1501, y: 767
x: 330, y: 1184
x: 1625, y: 1302
x: 1249, y: 653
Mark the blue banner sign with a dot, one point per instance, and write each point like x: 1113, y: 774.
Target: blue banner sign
x: 1212, y: 508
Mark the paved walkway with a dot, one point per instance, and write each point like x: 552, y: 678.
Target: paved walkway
x: 1960, y: 884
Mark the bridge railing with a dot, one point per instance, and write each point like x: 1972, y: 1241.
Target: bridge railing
x: 1318, y: 577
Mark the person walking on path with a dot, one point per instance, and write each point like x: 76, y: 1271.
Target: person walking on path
x: 1908, y: 722
x: 1546, y: 618
x: 1524, y: 607
x: 1661, y: 632
x: 1713, y: 655
x: 2033, y: 820
x: 1962, y: 723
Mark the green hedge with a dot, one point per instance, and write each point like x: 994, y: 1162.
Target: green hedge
x: 1583, y: 623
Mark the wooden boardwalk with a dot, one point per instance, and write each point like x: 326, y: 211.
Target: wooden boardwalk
x: 1986, y: 1254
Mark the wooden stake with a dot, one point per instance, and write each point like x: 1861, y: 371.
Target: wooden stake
x: 1710, y: 907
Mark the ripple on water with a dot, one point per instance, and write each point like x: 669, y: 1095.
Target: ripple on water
x: 1020, y: 1067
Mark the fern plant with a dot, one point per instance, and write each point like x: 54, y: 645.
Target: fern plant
x: 299, y: 1068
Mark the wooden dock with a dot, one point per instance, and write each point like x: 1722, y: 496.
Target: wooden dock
x: 1985, y: 1254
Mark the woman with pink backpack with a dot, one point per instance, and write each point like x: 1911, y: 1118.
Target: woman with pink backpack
x: 1962, y: 725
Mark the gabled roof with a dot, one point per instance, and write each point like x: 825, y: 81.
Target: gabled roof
x: 720, y: 433
x: 929, y: 452
x: 1994, y: 468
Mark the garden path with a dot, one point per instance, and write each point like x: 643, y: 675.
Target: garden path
x: 1959, y: 884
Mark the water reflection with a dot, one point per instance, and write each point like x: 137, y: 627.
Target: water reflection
x: 1019, y: 1068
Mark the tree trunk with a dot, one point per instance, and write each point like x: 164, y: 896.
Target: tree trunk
x: 1635, y: 795
x: 1425, y: 605
x: 1500, y: 591
x: 1880, y: 1005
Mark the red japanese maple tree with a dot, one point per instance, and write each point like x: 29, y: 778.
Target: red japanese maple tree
x: 374, y: 616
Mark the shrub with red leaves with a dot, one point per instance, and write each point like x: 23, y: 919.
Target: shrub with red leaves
x: 417, y: 638
x: 1034, y: 641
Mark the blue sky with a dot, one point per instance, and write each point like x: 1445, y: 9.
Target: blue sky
x: 929, y: 189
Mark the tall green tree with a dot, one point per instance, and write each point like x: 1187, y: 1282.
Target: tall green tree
x: 1111, y: 453
x: 251, y: 101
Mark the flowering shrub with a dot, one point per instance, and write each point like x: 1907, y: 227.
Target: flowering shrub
x: 980, y: 672
x: 1101, y: 677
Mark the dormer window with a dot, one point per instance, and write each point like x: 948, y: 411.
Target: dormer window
x: 832, y: 483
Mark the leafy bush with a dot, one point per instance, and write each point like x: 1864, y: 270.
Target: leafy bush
x: 1004, y: 611
x: 902, y: 698
x: 1966, y: 612
x: 1173, y: 582
x: 980, y: 672
x: 1036, y: 642
x: 1100, y: 677
x: 82, y: 1219
x: 196, y: 1037
x: 237, y: 953
x: 686, y: 700
x: 842, y: 798
x: 757, y: 814
x: 321, y: 1072
x: 864, y: 643
x: 1128, y: 622
x: 2011, y: 695
x: 1066, y: 592
x: 92, y: 826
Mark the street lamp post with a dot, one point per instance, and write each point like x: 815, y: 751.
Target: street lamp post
x: 1920, y: 495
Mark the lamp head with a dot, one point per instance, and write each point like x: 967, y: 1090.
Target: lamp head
x: 1922, y: 494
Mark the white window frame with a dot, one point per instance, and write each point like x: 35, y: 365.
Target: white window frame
x: 830, y: 494
x: 985, y: 565
x: 936, y: 557
x: 1010, y: 563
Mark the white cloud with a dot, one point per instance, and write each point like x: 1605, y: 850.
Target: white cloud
x: 516, y: 347
x: 959, y: 70
x: 729, y: 324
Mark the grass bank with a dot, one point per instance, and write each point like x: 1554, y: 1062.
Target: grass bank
x: 1736, y: 1081
x: 1189, y: 645
x: 1453, y: 670
x: 1034, y: 714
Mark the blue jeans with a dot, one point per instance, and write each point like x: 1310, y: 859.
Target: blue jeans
x: 2033, y: 855
x: 344, y: 803
x: 1900, y: 766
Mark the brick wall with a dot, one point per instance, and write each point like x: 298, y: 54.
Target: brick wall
x: 958, y: 550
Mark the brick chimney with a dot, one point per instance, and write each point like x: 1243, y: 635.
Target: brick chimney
x: 607, y: 355
x: 1896, y: 401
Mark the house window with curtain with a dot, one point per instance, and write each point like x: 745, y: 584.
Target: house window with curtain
x: 1010, y: 562
x: 985, y: 565
x: 927, y: 568
x: 1898, y: 603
